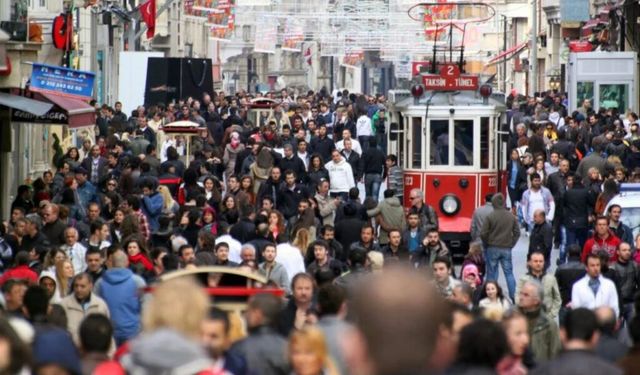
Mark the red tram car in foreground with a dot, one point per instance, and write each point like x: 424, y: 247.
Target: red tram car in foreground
x: 448, y: 143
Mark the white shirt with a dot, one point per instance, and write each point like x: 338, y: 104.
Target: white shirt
x: 340, y: 176
x: 363, y: 126
x: 582, y: 295
x: 291, y: 258
x: 536, y: 201
x: 76, y: 254
x: 355, y: 146
x: 234, y: 247
x: 305, y: 159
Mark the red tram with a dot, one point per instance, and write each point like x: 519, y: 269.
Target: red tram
x: 449, y: 146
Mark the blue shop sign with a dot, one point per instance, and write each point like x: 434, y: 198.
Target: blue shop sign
x: 62, y: 81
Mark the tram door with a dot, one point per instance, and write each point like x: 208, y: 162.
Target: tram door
x: 407, y: 142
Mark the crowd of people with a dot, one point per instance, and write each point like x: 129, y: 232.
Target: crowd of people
x: 369, y: 286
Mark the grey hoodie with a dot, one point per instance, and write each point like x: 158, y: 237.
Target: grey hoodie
x: 165, y: 352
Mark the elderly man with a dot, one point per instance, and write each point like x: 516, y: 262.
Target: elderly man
x: 552, y: 299
x: 428, y: 215
x: 74, y: 250
x: 543, y: 333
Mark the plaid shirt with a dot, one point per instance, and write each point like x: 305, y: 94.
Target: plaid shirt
x: 144, y: 224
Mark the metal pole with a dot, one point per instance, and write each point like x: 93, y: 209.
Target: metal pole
x: 504, y: 50
x: 533, y: 49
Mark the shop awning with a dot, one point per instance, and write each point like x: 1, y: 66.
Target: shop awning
x: 511, y: 52
x: 21, y: 103
x: 79, y: 113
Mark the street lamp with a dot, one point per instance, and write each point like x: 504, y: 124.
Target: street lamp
x: 554, y: 83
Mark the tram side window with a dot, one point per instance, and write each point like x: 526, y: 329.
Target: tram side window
x: 484, y: 142
x: 439, y: 142
x: 463, y: 138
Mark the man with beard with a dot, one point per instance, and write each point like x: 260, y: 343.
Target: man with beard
x: 432, y: 248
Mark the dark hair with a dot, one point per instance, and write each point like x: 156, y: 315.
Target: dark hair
x: 170, y: 262
x: 535, y: 176
x: 96, y: 225
x: 580, y: 324
x: 330, y: 299
x: 592, y: 256
x: 182, y: 248
x: 220, y: 315
x: 537, y: 252
x: 443, y: 259
x: 36, y: 302
x: 19, y: 353
x: 9, y: 284
x: 269, y: 305
x: 574, y: 251
x: 499, y: 293
x: 221, y: 244
x: 22, y: 258
x: 93, y: 250
x: 473, y: 349
x: 95, y: 334
x: 357, y: 257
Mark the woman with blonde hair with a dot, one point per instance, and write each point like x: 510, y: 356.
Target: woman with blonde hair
x: 64, y: 274
x: 186, y: 317
x: 171, y: 329
x: 169, y: 206
x: 302, y: 240
x: 308, y: 353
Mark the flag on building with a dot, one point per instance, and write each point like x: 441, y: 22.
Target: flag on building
x: 148, y: 14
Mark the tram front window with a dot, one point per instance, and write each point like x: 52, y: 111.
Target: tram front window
x: 439, y: 139
x: 463, y: 136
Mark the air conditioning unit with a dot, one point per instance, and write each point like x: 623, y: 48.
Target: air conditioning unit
x: 17, y: 31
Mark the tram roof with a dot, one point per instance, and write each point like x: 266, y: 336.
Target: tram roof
x: 403, y: 99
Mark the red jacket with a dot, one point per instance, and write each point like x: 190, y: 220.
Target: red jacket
x: 20, y: 272
x: 595, y: 244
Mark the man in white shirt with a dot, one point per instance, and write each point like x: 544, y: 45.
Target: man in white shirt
x: 340, y: 176
x: 537, y: 197
x: 593, y: 290
x: 346, y: 134
x: 74, y: 250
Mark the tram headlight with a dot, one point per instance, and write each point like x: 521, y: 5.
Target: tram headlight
x: 450, y: 204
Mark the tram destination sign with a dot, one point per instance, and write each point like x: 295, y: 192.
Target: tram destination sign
x: 449, y: 79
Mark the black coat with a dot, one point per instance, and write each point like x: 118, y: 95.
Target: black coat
x: 541, y: 239
x: 577, y: 205
x: 243, y: 231
x: 288, y: 205
x: 354, y: 161
x: 294, y: 164
x: 348, y: 231
x: 322, y: 146
x: 566, y: 275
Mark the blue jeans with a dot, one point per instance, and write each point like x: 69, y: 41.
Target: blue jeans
x: 381, y: 140
x: 501, y: 256
x: 372, y: 183
x: 364, y: 142
x: 576, y: 236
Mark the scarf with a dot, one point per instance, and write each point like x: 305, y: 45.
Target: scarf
x: 140, y: 258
